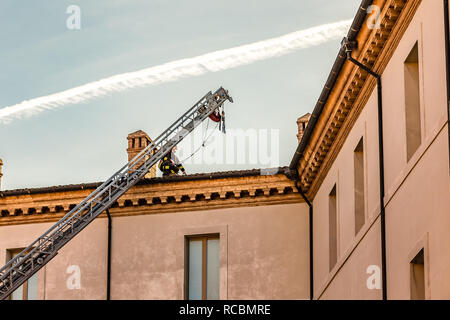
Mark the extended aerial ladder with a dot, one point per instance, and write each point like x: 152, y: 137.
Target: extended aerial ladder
x: 20, y: 268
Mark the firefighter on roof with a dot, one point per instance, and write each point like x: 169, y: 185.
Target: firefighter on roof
x: 170, y: 164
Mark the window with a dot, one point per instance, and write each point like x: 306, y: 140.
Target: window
x: 332, y: 223
x: 412, y: 102
x: 203, y: 265
x: 27, y: 291
x: 358, y: 160
x: 417, y: 277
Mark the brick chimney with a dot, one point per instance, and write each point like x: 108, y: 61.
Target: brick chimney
x: 137, y: 141
x: 302, y: 122
x: 1, y: 174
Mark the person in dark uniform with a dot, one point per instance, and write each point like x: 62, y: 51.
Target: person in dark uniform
x: 170, y: 164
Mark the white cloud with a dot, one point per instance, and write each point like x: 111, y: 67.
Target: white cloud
x: 179, y: 69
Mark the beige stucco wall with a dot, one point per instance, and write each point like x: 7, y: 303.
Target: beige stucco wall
x: 427, y: 27
x: 264, y: 254
x: 350, y: 282
x: 417, y: 192
x: 88, y: 250
x: 418, y: 217
x: 353, y: 254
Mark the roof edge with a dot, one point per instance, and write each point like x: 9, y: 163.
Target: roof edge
x: 191, y: 177
x: 329, y: 85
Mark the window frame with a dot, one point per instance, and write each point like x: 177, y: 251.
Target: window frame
x: 412, y: 142
x: 204, y: 238
x: 421, y: 244
x: 359, y: 202
x: 417, y: 290
x: 11, y: 253
x: 333, y: 235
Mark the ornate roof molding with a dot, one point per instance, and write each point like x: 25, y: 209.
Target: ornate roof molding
x: 160, y: 196
x: 352, y: 91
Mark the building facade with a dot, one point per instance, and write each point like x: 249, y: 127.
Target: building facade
x: 362, y: 212
x: 245, y: 232
x: 357, y: 255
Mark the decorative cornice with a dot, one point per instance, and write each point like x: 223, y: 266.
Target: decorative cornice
x: 155, y: 198
x: 352, y: 91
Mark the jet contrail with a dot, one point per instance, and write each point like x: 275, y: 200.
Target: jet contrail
x: 179, y: 69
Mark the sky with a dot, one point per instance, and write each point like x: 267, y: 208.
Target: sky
x: 86, y: 142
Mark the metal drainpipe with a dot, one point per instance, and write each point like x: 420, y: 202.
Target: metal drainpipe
x: 447, y: 60
x: 311, y: 257
x: 108, y: 270
x: 349, y: 46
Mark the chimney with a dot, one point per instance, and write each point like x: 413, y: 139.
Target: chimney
x: 137, y: 141
x: 302, y: 122
x: 1, y: 174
